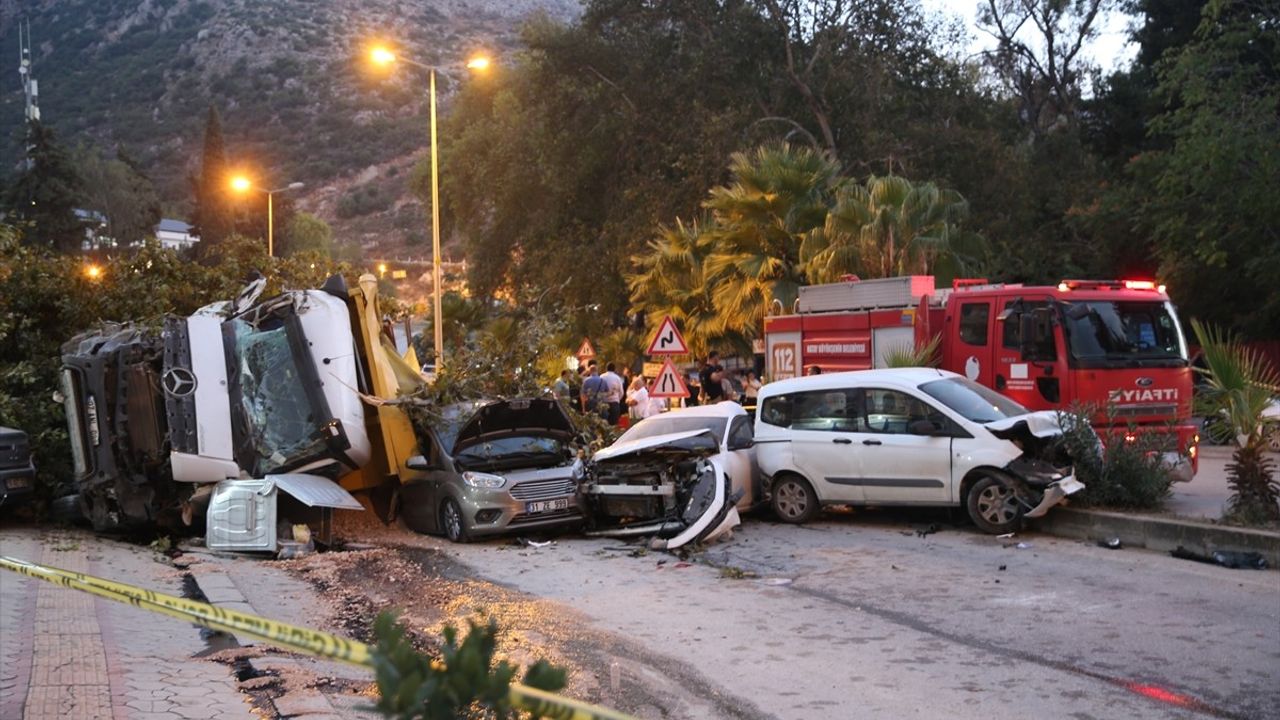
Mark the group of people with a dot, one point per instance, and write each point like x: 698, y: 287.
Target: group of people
x: 611, y: 394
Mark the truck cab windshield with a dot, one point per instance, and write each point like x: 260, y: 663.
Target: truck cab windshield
x: 1138, y: 334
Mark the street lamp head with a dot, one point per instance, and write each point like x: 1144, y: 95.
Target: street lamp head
x: 479, y: 63
x: 93, y: 272
x: 240, y: 183
x: 296, y: 186
x: 381, y: 56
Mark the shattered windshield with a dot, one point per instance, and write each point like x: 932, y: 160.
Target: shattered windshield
x: 1103, y: 330
x: 283, y: 424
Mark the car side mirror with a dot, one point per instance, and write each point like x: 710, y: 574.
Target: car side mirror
x: 417, y: 462
x: 927, y: 428
x: 742, y: 444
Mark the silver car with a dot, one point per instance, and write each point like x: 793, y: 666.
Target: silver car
x: 493, y: 467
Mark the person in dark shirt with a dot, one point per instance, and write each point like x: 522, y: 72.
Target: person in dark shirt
x: 710, y: 377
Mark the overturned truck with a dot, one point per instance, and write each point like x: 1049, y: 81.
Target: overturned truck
x: 234, y: 405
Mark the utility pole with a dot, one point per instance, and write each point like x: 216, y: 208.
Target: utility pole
x: 29, y: 86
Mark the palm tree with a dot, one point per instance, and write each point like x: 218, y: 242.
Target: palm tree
x: 891, y: 226
x: 1241, y: 384
x: 671, y: 279
x: 777, y: 196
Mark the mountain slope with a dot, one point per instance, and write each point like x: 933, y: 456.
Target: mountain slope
x: 297, y: 99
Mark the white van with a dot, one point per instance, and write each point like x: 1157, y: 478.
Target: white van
x: 907, y: 436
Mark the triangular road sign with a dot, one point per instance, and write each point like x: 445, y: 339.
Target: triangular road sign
x: 669, y: 384
x: 585, y: 351
x: 668, y: 341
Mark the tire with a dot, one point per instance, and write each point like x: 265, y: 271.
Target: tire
x: 793, y: 499
x: 451, y: 521
x: 993, y: 507
x: 1273, y: 438
x: 67, y: 510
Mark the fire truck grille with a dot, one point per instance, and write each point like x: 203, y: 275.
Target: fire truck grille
x: 1136, y: 410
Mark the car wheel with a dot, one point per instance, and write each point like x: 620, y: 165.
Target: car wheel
x: 794, y: 500
x: 451, y: 521
x: 1273, y: 439
x: 993, y: 506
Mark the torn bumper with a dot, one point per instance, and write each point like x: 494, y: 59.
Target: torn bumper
x: 685, y: 502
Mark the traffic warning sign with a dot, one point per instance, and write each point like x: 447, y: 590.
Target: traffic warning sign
x: 668, y: 341
x: 669, y: 384
x: 585, y: 351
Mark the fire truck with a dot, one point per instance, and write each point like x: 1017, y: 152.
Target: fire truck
x: 1115, y: 345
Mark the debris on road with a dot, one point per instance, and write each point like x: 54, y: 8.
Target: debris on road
x: 1233, y: 559
x: 1111, y: 543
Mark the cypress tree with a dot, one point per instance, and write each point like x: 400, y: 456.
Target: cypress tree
x: 212, y: 218
x: 47, y: 192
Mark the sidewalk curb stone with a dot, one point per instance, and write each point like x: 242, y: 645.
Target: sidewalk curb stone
x: 1159, y: 533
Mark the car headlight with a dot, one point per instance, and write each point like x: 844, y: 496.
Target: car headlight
x: 483, y: 480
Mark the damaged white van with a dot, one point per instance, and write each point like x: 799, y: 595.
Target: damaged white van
x: 910, y: 437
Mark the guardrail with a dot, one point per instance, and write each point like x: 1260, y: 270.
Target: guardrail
x: 290, y: 637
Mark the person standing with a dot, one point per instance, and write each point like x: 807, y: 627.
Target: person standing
x: 710, y: 378
x: 561, y: 388
x: 751, y: 388
x: 639, y: 404
x: 615, y: 391
x: 594, y: 391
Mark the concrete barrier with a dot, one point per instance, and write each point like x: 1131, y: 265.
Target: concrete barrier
x: 1159, y: 533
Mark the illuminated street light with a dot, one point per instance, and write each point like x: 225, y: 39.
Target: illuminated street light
x: 382, y: 269
x: 383, y: 56
x: 93, y: 272
x: 242, y: 184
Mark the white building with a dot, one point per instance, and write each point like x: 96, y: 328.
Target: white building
x: 175, y: 234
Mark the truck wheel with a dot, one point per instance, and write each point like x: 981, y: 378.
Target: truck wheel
x: 793, y: 499
x: 451, y: 521
x: 993, y: 506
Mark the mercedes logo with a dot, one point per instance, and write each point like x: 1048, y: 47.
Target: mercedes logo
x: 179, y: 382
x: 1145, y: 382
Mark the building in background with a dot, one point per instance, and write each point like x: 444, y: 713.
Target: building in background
x: 175, y: 234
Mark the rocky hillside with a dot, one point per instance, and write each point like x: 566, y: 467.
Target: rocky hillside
x: 298, y: 102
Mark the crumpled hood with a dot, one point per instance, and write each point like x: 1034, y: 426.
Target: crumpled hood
x: 694, y: 443
x: 1042, y: 424
x: 537, y: 417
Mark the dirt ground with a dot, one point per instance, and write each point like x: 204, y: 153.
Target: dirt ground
x: 393, y: 569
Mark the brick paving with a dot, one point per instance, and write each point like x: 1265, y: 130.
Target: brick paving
x: 67, y: 654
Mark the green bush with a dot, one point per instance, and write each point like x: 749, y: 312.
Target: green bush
x: 362, y: 200
x: 1127, y: 471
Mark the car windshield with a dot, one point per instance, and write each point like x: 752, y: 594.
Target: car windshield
x: 971, y: 400
x: 283, y: 421
x: 667, y: 424
x: 1099, y: 331
x: 509, y: 451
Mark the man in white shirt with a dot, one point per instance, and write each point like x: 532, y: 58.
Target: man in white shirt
x: 616, y: 390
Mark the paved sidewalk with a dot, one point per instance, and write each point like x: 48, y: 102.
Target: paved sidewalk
x: 67, y: 654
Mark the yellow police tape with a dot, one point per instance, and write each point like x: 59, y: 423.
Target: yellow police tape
x: 291, y: 637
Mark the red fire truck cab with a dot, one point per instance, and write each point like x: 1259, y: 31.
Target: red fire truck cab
x: 1113, y: 345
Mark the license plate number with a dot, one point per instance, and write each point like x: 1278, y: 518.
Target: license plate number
x: 542, y: 506
x: 17, y: 482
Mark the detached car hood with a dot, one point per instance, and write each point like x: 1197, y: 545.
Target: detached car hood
x: 521, y: 416
x: 693, y: 443
x: 1042, y: 424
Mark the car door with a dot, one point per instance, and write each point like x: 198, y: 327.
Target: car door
x: 821, y: 429
x: 740, y: 463
x: 420, y: 499
x: 898, y: 467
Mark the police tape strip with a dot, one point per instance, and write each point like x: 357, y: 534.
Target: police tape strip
x: 291, y: 637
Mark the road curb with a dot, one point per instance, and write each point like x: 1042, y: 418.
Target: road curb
x: 1160, y: 534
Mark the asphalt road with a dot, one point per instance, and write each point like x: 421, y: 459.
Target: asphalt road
x: 858, y: 616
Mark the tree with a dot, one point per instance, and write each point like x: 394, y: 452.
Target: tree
x: 1038, y: 54
x: 778, y: 194
x: 213, y: 218
x: 117, y: 188
x: 47, y: 193
x: 1207, y: 195
x: 306, y: 232
x: 891, y: 226
x: 1240, y: 386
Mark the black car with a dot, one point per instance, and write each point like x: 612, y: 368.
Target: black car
x: 17, y: 472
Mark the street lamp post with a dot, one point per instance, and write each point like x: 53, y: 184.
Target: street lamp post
x: 243, y: 184
x: 383, y: 56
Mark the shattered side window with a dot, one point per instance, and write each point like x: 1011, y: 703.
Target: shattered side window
x: 282, y: 424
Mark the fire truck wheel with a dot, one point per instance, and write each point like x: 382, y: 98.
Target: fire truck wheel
x: 451, y: 521
x: 993, y: 507
x: 794, y: 500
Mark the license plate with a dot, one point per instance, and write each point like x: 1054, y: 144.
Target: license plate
x: 546, y: 505
x: 18, y: 482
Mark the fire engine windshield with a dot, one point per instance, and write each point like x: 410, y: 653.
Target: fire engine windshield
x: 1105, y: 332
